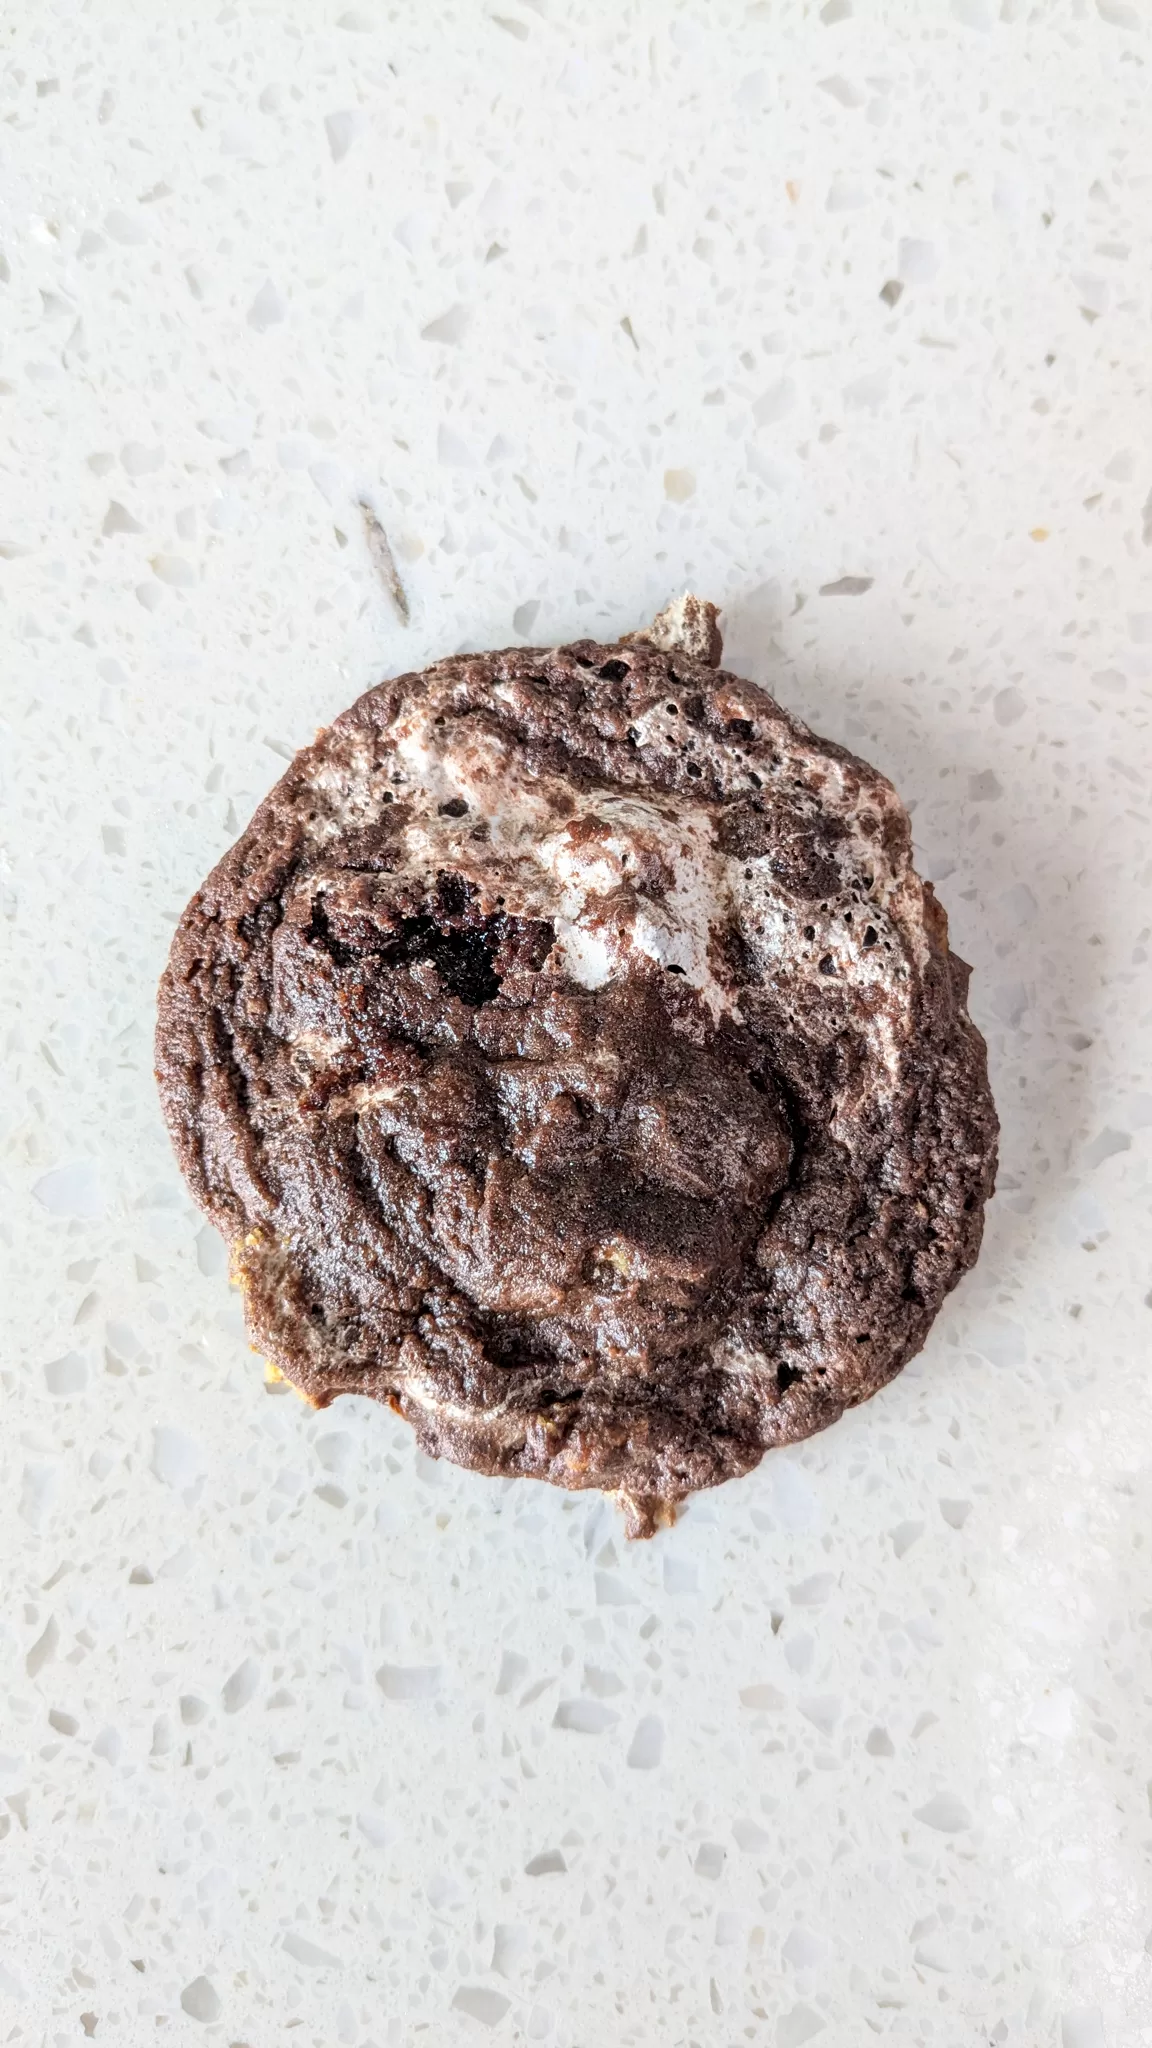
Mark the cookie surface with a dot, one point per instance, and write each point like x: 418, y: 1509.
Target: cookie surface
x: 573, y: 1059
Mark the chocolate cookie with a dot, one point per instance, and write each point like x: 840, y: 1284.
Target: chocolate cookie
x: 573, y: 1059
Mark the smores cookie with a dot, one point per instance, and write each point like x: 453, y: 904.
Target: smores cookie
x: 573, y: 1059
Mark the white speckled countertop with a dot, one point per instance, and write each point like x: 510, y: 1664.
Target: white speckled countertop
x: 840, y: 315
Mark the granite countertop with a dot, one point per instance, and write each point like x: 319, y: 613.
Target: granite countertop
x: 838, y: 315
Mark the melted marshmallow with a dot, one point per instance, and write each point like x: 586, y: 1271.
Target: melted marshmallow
x: 621, y: 875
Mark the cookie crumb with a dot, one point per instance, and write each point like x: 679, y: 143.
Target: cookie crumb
x: 688, y: 625
x: 383, y: 561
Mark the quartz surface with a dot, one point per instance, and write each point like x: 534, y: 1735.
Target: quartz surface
x: 838, y: 315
